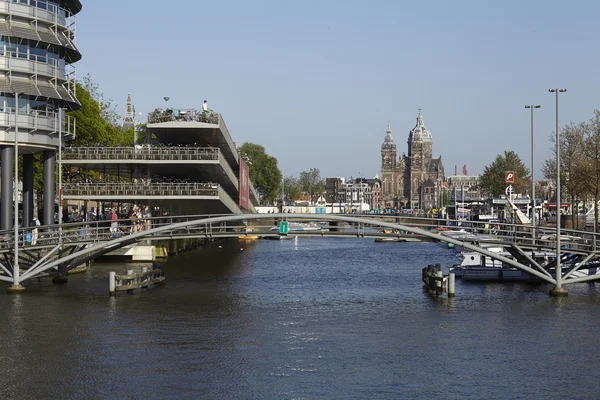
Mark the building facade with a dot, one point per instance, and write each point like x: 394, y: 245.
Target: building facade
x: 37, y: 83
x: 413, y: 181
x: 465, y: 186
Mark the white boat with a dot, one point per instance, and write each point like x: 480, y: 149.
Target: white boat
x: 478, y: 267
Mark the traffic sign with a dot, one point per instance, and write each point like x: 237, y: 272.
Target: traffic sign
x: 510, y: 177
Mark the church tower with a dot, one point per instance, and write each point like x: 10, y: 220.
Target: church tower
x: 129, y: 115
x: 388, y: 166
x: 420, y: 150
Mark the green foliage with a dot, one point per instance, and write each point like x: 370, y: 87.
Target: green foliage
x: 493, y: 178
x: 292, y: 189
x: 97, y: 120
x: 264, y: 173
x: 311, y: 183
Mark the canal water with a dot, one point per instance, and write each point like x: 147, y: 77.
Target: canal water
x: 310, y: 318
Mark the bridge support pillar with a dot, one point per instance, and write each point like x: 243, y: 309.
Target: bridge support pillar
x: 49, y: 157
x: 7, y: 194
x: 28, y: 190
x: 60, y: 279
x: 14, y: 289
x: 559, y: 292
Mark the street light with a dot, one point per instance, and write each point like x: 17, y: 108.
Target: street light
x: 558, y: 290
x: 166, y: 102
x: 60, y: 189
x: 533, y: 211
x: 16, y: 286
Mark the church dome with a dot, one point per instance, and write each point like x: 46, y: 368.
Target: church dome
x: 388, y: 143
x: 419, y: 132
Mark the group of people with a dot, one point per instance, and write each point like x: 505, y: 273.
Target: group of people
x: 138, y: 220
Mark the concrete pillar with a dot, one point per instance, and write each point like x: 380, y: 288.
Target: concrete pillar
x: 7, y: 158
x: 28, y: 206
x: 111, y: 283
x: 49, y: 159
x: 451, y: 284
x: 558, y: 292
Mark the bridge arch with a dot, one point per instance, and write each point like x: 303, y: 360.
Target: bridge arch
x: 103, y: 248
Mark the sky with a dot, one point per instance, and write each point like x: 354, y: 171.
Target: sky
x: 316, y: 81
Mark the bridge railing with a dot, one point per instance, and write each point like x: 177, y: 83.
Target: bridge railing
x: 474, y: 232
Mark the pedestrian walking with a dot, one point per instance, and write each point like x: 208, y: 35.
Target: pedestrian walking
x: 34, y: 231
x: 114, y: 224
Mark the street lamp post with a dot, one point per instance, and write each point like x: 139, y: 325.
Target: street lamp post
x: 533, y: 211
x: 558, y: 290
x: 16, y: 286
x: 166, y: 102
x: 60, y: 189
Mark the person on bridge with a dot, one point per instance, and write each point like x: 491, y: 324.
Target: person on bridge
x: 205, y: 107
x: 114, y: 225
x: 34, y: 231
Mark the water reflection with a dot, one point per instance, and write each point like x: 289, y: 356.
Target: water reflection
x: 302, y: 318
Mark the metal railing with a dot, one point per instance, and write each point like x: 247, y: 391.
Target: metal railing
x: 60, y: 15
x: 34, y: 120
x: 478, y: 233
x: 183, y: 115
x: 144, y: 153
x: 141, y: 190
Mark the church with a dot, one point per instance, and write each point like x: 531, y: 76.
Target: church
x: 414, y: 181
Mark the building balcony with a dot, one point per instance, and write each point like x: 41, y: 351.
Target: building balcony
x: 33, y: 65
x: 183, y: 115
x: 35, y: 127
x: 52, y: 25
x: 183, y: 197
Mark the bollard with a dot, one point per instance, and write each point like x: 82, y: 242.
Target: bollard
x: 112, y: 284
x: 144, y: 278
x: 130, y: 281
x: 451, y: 282
x: 439, y: 277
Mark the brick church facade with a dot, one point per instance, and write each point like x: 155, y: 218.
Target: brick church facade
x: 414, y: 181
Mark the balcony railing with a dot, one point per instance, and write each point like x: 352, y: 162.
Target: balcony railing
x: 141, y: 190
x: 182, y: 115
x: 59, y: 15
x: 144, y: 153
x: 35, y: 120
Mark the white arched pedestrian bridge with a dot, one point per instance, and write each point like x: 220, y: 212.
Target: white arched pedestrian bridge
x: 61, y: 249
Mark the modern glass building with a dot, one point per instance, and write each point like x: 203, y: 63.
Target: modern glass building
x: 37, y: 79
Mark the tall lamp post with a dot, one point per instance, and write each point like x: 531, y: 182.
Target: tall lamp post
x: 166, y: 102
x: 60, y: 188
x: 16, y: 286
x: 558, y: 290
x: 533, y: 211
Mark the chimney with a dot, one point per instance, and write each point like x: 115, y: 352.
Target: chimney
x: 465, y: 169
x: 455, y: 170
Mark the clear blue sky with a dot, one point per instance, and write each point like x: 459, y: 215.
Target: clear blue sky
x: 316, y: 81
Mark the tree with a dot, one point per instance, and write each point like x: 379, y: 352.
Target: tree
x: 312, y: 184
x: 591, y: 164
x: 573, y: 177
x: 292, y: 189
x: 264, y: 173
x: 97, y: 119
x: 493, y: 178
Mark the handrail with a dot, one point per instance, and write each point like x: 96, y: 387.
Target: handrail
x: 68, y: 125
x: 51, y: 8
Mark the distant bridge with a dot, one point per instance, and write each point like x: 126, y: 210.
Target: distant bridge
x: 59, y: 251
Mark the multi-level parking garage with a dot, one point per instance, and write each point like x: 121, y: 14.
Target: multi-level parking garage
x: 188, y: 165
x: 37, y: 83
